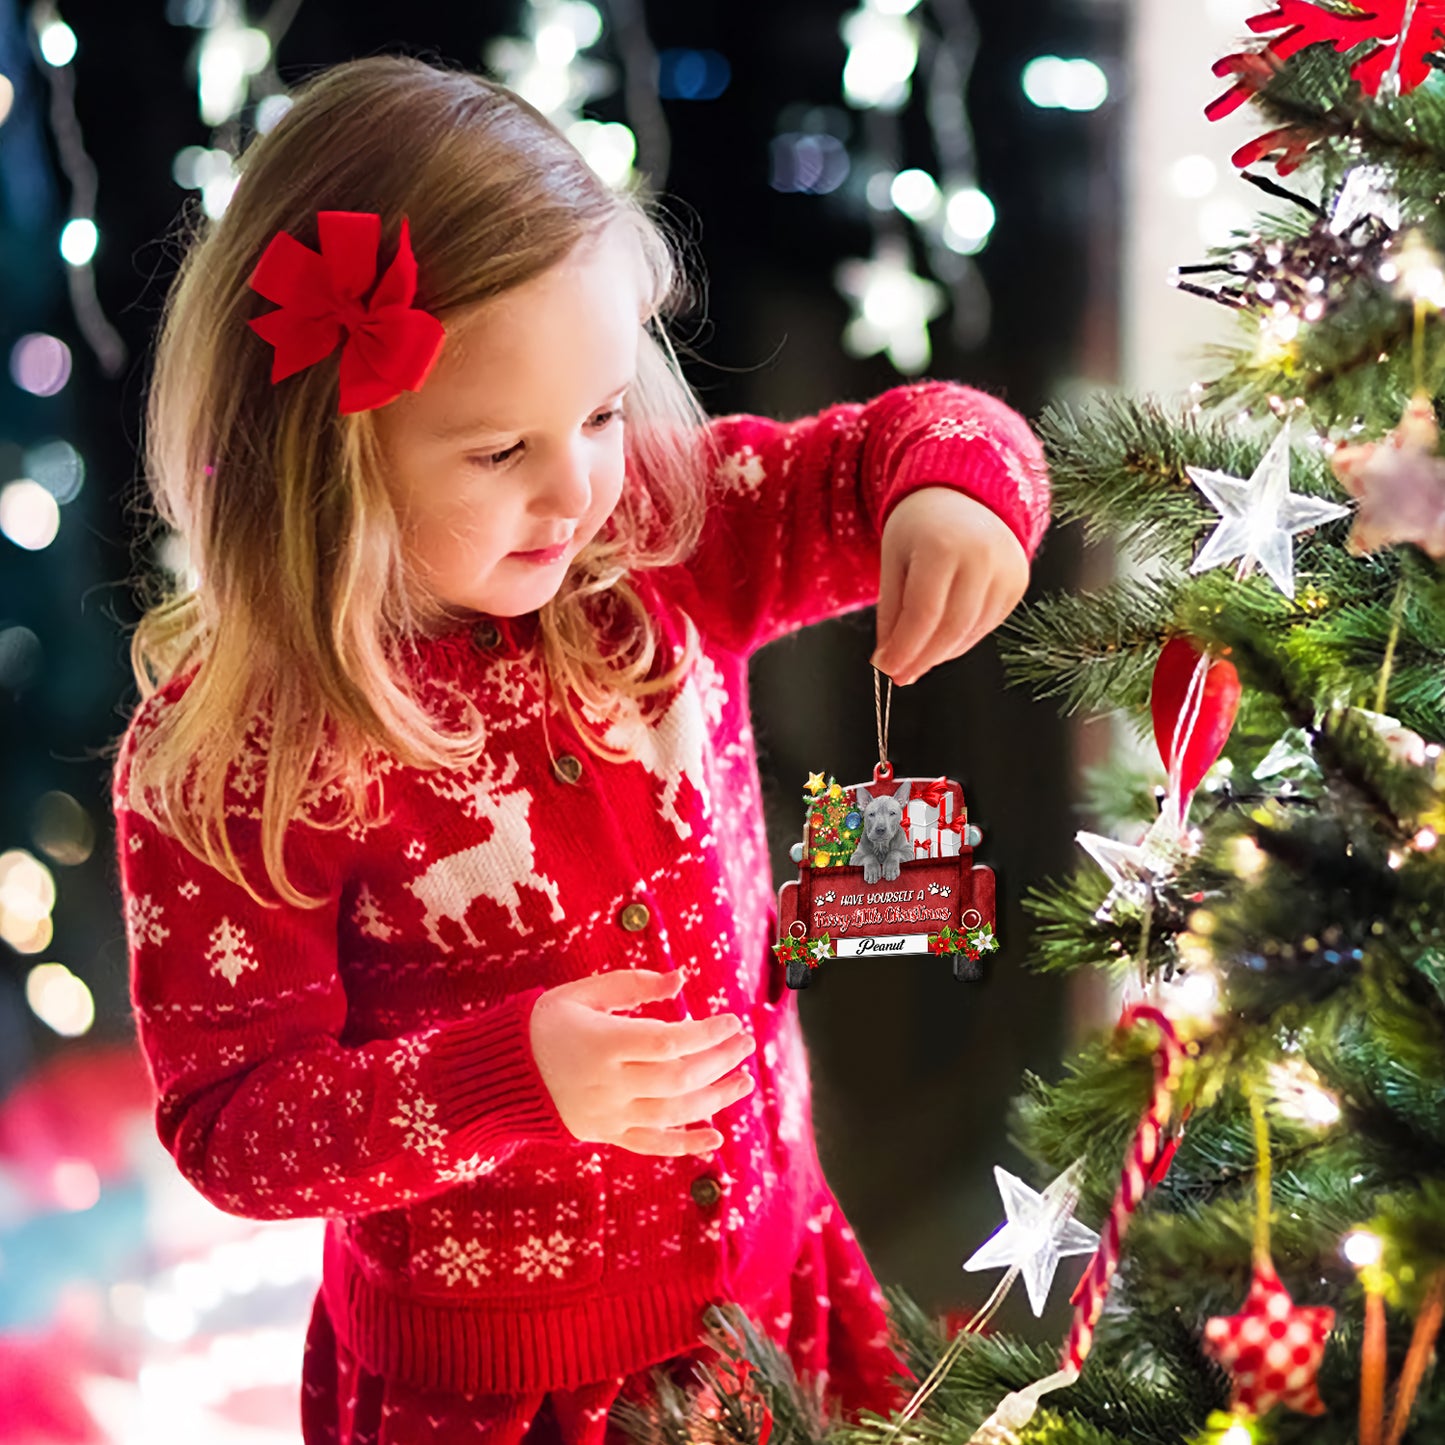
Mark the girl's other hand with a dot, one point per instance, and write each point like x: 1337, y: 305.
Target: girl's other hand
x: 950, y: 571
x: 637, y: 1083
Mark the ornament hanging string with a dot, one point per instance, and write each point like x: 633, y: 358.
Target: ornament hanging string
x: 885, y: 768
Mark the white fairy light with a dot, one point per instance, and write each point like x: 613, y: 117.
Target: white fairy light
x: 609, y: 148
x: 58, y: 44
x: 968, y: 220
x: 893, y: 306
x: 882, y: 55
x: 78, y: 241
x: 1053, y: 83
x: 230, y: 55
x: 916, y: 194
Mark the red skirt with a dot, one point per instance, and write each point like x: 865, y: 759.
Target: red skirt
x: 829, y: 1317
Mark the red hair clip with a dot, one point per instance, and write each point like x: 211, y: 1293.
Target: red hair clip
x: 390, y: 347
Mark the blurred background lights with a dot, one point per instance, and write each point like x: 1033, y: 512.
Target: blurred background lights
x: 29, y: 515
x: 811, y: 164
x: 230, y: 56
x: 57, y: 42
x: 75, y: 1184
x: 608, y: 146
x: 58, y: 467
x: 78, y: 241
x: 893, y: 308
x: 1053, y: 83
x: 692, y: 74
x: 968, y: 220
x: 40, y: 364
x: 20, y: 658
x: 7, y: 96
x: 1193, y: 176
x: 585, y: 20
x: 1363, y: 1248
x: 212, y: 172
x: 62, y: 829
x: 59, y: 999
x: 882, y: 53
x: 916, y: 194
x: 27, y: 896
x: 269, y: 110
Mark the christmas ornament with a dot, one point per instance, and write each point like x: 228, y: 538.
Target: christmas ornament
x: 1272, y: 1348
x: 1134, y: 870
x: 1039, y: 1231
x: 1140, y: 1169
x: 1399, y: 35
x: 885, y: 867
x: 1400, y: 484
x: 1289, y: 280
x: 1193, y: 701
x: 1260, y: 516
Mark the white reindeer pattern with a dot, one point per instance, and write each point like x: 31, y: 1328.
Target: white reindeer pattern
x: 673, y: 748
x: 493, y: 869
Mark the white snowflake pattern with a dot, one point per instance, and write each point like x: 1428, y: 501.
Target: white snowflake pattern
x: 455, y: 1259
x: 407, y: 1055
x: 189, y: 890
x: 472, y: 1167
x: 230, y: 951
x: 415, y: 849
x: 136, y: 842
x: 417, y: 1119
x: 143, y: 921
x: 717, y: 1001
x: 956, y: 428
x: 742, y: 471
x: 550, y: 1256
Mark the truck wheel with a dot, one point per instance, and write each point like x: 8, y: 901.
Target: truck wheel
x: 799, y: 974
x: 966, y: 968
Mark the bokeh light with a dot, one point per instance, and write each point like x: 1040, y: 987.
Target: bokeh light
x: 60, y: 1000
x: 57, y: 43
x: 58, y: 467
x: 29, y: 515
x: 78, y: 241
x: 27, y: 897
x: 7, y: 96
x: 1053, y: 83
x: 40, y: 364
x: 62, y: 829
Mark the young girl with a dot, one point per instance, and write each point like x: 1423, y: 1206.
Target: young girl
x: 439, y: 825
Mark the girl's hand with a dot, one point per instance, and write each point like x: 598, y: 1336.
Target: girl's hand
x: 636, y: 1082
x: 951, y: 571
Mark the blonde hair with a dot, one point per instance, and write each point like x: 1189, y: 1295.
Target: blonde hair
x: 302, y: 592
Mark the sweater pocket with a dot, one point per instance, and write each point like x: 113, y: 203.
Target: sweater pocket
x: 532, y: 1225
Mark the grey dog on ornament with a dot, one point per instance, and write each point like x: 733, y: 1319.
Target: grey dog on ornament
x: 884, y: 845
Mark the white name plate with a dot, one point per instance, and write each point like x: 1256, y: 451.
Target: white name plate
x: 882, y: 943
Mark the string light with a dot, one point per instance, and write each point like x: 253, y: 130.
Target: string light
x: 56, y: 46
x: 1053, y: 83
x: 1300, y: 1094
x: 1363, y: 1248
x: 944, y: 207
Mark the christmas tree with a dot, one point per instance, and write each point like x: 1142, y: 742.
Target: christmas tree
x: 1260, y: 1143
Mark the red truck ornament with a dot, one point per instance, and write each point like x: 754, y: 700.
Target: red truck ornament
x: 885, y: 868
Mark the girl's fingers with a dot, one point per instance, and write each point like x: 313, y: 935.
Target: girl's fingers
x: 673, y: 1142
x: 925, y: 603
x: 955, y: 622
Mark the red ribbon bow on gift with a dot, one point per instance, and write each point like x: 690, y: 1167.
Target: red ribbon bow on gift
x: 390, y: 347
x: 933, y: 795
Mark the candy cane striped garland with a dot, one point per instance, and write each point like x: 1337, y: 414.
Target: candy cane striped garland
x: 1138, y: 1169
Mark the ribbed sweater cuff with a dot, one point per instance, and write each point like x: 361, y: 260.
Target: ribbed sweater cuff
x: 484, y: 1079
x: 976, y: 469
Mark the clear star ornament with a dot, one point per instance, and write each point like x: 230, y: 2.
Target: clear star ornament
x: 1260, y: 517
x: 1039, y: 1231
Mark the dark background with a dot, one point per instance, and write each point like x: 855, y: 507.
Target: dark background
x: 913, y: 1071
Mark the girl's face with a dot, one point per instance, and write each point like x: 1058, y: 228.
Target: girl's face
x: 514, y: 443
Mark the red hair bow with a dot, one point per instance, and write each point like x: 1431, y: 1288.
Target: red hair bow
x: 390, y: 345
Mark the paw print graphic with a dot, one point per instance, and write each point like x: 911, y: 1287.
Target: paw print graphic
x: 830, y: 896
x: 946, y: 891
x: 933, y: 888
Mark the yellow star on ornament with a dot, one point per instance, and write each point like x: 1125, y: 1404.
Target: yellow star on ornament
x: 815, y: 783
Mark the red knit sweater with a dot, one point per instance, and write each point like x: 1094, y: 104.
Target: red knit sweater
x: 369, y: 1061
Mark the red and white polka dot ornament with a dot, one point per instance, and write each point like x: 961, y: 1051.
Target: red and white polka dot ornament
x: 1272, y: 1348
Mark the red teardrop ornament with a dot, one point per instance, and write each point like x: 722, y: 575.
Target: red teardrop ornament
x: 1217, y: 709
